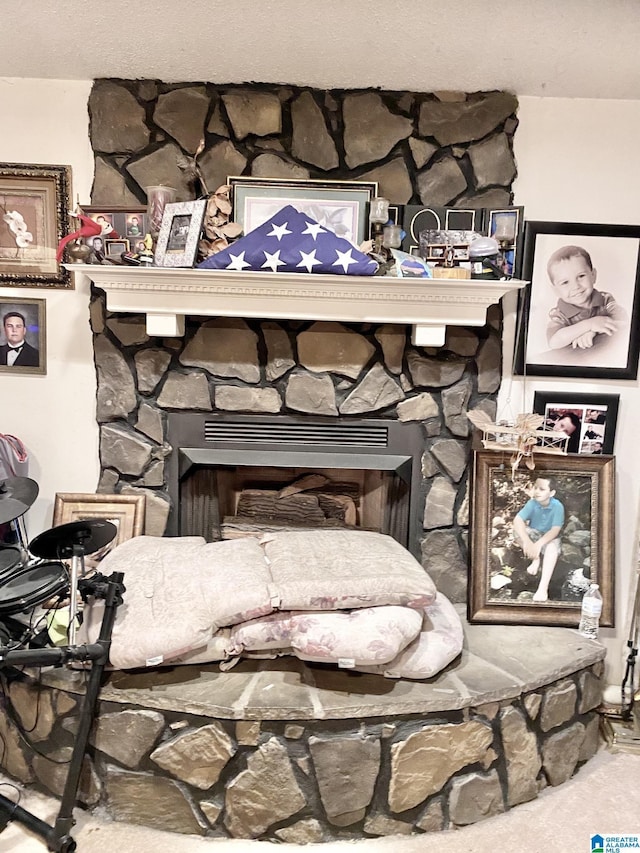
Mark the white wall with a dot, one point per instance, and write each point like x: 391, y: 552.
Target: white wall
x: 47, y: 122
x: 577, y: 161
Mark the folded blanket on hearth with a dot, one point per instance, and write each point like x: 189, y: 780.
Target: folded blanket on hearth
x: 355, y: 598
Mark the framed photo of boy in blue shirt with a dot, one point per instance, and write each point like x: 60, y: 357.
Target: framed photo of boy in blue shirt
x: 579, y: 315
x: 540, y: 537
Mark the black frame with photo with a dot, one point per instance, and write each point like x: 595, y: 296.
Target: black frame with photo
x: 34, y: 312
x: 114, y: 248
x: 37, y: 201
x: 501, y: 589
x: 417, y: 218
x: 544, y: 402
x: 324, y: 200
x: 609, y: 357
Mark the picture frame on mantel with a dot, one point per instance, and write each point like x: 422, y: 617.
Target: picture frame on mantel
x: 341, y: 206
x: 501, y: 587
x: 563, y: 330
x: 179, y: 235
x: 34, y: 217
x: 128, y: 225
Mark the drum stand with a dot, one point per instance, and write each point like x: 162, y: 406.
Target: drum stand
x: 77, y: 571
x: 71, y: 542
x: 57, y: 837
x: 21, y: 535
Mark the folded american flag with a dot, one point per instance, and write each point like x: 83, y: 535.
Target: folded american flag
x: 292, y: 242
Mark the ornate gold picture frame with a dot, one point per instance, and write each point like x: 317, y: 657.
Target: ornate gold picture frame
x: 34, y: 216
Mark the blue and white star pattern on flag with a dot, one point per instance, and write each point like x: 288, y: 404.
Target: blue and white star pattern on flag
x: 292, y: 242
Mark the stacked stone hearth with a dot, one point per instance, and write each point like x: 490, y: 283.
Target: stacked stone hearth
x: 283, y: 751
x: 423, y: 148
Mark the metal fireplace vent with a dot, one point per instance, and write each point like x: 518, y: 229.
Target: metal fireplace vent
x: 343, y: 435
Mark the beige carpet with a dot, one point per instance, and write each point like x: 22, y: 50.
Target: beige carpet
x: 603, y: 797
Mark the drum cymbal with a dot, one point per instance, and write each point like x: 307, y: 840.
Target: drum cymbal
x: 16, y: 496
x: 59, y: 542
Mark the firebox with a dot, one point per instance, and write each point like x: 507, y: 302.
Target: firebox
x: 234, y: 475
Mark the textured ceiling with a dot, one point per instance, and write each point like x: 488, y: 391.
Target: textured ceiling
x: 552, y: 48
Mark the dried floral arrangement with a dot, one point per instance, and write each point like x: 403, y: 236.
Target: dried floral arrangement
x: 219, y: 231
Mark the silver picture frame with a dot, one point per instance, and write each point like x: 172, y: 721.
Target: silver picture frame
x: 179, y: 235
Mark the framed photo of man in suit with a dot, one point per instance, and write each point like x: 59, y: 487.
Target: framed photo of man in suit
x: 23, y: 336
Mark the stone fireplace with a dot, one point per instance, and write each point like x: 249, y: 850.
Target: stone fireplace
x: 296, y: 752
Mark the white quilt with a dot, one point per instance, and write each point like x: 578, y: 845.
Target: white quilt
x: 354, y: 598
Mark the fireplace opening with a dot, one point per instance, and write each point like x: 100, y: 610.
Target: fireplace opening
x: 231, y: 476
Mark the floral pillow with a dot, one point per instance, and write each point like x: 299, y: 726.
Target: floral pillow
x: 343, y: 569
x: 178, y: 592
x: 438, y: 643
x: 369, y: 635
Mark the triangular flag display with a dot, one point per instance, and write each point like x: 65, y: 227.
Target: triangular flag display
x: 292, y: 242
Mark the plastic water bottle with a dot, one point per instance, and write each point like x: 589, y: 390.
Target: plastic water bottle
x: 591, y: 610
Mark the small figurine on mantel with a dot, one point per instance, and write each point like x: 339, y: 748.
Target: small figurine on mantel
x: 77, y: 249
x: 146, y: 255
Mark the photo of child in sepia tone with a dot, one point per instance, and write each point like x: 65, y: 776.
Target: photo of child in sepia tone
x: 581, y: 300
x: 581, y: 313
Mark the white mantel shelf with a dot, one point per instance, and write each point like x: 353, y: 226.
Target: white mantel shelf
x: 168, y: 295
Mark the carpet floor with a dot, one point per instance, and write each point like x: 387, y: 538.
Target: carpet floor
x: 603, y: 797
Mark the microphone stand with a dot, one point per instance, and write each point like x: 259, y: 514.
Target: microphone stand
x: 57, y: 837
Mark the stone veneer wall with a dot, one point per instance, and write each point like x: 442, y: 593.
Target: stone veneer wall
x: 427, y: 148
x: 444, y: 148
x: 304, y: 781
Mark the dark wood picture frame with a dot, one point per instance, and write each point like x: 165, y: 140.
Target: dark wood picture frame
x: 614, y: 251
x: 597, y: 414
x: 501, y: 590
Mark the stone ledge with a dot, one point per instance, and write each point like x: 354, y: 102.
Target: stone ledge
x: 498, y: 662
